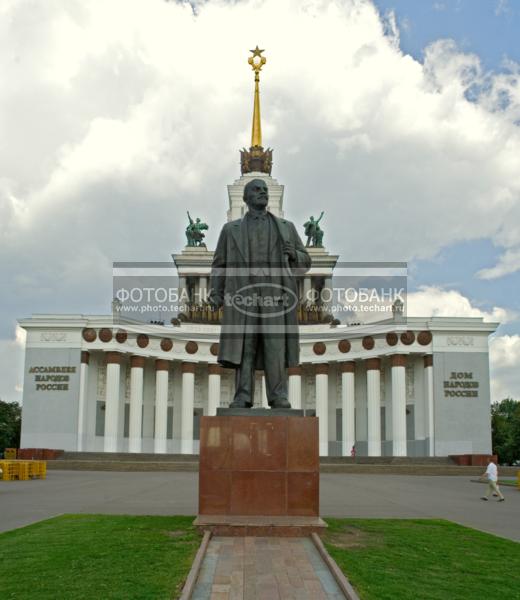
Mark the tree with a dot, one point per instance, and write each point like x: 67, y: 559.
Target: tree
x: 505, y: 428
x: 10, y: 424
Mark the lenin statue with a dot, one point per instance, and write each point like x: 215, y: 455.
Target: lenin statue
x: 253, y: 277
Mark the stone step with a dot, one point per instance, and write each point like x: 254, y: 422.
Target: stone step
x: 354, y: 469
x: 120, y: 465
x: 410, y: 469
x: 129, y: 457
x: 387, y: 460
x: 332, y: 460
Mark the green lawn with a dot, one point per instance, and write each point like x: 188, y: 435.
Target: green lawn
x: 423, y: 559
x: 511, y: 482
x: 97, y: 557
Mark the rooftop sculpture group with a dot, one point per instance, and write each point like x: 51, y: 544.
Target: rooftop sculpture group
x: 194, y: 232
x: 314, y: 232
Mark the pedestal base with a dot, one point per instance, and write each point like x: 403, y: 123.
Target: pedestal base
x: 259, y: 412
x: 260, y: 526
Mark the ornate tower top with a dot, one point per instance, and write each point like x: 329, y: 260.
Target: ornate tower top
x: 256, y: 159
x: 257, y: 61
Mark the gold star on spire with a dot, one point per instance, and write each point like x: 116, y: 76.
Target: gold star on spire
x: 257, y: 61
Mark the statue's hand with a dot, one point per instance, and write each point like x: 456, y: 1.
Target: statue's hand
x: 290, y: 249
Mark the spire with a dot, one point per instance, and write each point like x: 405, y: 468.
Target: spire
x: 257, y: 61
x: 256, y: 159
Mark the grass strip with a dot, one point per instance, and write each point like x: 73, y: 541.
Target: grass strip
x: 105, y: 557
x: 427, y: 559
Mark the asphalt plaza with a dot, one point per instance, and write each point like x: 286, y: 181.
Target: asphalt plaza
x: 455, y: 498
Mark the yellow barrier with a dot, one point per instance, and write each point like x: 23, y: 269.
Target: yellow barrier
x: 10, y: 454
x: 9, y: 470
x: 23, y: 470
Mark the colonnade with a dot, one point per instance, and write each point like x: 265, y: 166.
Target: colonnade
x: 193, y: 289
x: 347, y: 369
x: 310, y: 293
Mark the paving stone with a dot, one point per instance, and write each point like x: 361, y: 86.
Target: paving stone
x: 219, y: 596
x: 220, y: 588
x: 264, y: 568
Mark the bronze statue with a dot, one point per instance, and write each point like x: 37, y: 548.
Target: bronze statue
x: 194, y: 232
x: 314, y: 232
x: 253, y: 278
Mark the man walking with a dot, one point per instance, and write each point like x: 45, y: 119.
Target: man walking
x: 491, y: 475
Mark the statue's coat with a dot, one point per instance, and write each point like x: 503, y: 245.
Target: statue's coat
x: 232, y: 252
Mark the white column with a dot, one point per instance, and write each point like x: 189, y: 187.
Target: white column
x: 398, y: 362
x: 347, y: 407
x: 188, y: 399
x: 374, y: 406
x: 195, y: 299
x: 83, y: 378
x: 161, y: 405
x: 428, y: 396
x: 135, y: 426
x: 322, y: 410
x: 113, y: 360
x: 203, y: 289
x: 306, y: 299
x: 326, y: 293
x: 265, y: 402
x: 214, y: 374
x: 295, y: 387
x: 183, y: 300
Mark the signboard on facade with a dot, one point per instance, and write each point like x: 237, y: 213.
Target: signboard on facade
x: 52, y: 378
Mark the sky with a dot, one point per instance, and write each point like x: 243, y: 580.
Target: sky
x: 400, y: 119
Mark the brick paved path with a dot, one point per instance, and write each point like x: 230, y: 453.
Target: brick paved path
x: 264, y: 568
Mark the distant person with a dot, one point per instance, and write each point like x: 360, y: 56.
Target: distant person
x: 353, y: 451
x: 491, y: 475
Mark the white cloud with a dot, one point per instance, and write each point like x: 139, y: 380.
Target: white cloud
x: 504, y: 350
x: 391, y: 29
x: 504, y: 354
x: 11, y: 360
x: 508, y: 263
x: 502, y: 7
x: 133, y: 100
x: 438, y: 302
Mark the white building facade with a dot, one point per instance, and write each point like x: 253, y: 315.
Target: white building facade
x: 419, y: 388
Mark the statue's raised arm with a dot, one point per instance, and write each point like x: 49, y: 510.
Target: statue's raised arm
x: 190, y: 240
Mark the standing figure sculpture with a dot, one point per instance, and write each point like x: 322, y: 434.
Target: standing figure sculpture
x: 253, y: 277
x: 194, y: 232
x: 314, y: 232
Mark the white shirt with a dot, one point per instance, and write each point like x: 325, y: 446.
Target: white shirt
x: 491, y: 472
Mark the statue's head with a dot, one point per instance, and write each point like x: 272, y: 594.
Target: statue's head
x: 198, y: 219
x: 256, y: 194
x: 311, y: 219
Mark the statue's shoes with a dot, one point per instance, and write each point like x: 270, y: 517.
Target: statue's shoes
x: 236, y: 404
x: 281, y: 404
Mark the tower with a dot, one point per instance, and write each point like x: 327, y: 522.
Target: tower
x: 194, y: 262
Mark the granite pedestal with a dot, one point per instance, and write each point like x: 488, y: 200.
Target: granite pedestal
x: 259, y: 472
